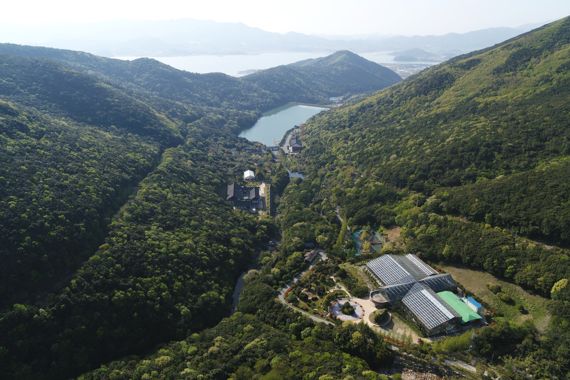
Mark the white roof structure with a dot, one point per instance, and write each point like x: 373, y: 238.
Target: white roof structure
x: 248, y: 175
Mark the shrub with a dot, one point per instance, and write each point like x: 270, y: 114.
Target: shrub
x: 379, y: 316
x: 347, y: 308
x: 329, y: 298
x: 457, y: 343
x: 360, y: 291
x: 494, y: 288
x: 291, y: 297
x: 504, y: 297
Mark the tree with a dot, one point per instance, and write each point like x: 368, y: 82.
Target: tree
x: 558, y: 287
x: 347, y: 308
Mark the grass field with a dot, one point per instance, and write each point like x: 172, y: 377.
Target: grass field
x: 476, y: 283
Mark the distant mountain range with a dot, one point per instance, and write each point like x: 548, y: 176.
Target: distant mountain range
x: 119, y: 253
x: 187, y: 37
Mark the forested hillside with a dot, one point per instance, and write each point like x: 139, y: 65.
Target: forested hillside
x: 166, y: 268
x: 60, y: 184
x: 120, y: 253
x: 533, y: 203
x: 52, y: 88
x: 481, y: 115
x: 74, y: 148
x: 243, y: 347
x: 115, y: 233
x: 316, y: 80
x: 464, y: 158
x: 156, y: 83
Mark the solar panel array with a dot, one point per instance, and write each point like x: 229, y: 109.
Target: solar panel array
x: 427, y: 307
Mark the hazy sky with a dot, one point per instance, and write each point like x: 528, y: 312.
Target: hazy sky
x: 307, y: 16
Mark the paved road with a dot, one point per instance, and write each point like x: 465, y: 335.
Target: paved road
x: 281, y: 297
x: 315, y: 318
x: 287, y: 141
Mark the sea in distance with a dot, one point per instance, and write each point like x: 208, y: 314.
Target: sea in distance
x: 242, y: 64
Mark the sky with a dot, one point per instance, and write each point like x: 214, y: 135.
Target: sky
x: 322, y: 17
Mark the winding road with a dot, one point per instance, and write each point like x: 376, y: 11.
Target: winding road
x: 408, y: 360
x: 283, y: 291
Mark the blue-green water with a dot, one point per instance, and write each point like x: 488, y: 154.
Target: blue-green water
x: 271, y: 127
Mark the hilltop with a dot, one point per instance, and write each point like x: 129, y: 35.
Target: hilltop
x: 120, y: 252
x: 464, y: 157
x: 340, y: 74
x: 111, y: 217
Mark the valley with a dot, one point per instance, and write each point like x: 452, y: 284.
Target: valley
x: 121, y: 241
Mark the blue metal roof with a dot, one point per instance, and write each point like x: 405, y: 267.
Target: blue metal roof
x: 473, y: 302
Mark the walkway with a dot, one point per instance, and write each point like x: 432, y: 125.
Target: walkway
x: 315, y: 318
x: 461, y: 364
x: 396, y: 329
x: 281, y: 297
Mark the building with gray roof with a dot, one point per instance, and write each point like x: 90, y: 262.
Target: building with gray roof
x: 408, y: 281
x: 247, y: 198
x: 429, y: 311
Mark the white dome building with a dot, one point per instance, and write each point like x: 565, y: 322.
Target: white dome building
x: 248, y: 175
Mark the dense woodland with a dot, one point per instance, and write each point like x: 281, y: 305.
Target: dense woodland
x: 116, y: 236
x: 60, y: 184
x: 243, y: 347
x: 167, y: 263
x: 532, y: 203
x: 124, y: 254
x: 469, y: 158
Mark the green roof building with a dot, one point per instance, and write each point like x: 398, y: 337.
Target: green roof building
x: 466, y: 313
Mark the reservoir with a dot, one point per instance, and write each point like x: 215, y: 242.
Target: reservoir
x: 271, y: 127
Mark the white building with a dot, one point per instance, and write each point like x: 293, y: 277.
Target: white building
x: 248, y: 175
